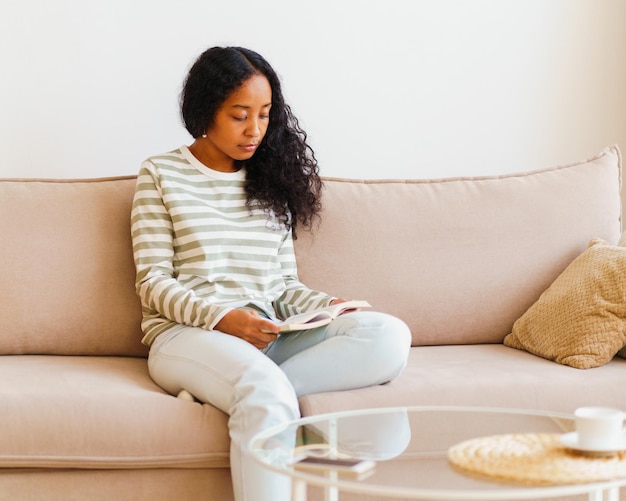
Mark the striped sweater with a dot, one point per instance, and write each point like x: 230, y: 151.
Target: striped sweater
x: 200, y: 251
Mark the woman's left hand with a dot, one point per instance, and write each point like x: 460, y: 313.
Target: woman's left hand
x: 338, y: 300
x: 342, y: 300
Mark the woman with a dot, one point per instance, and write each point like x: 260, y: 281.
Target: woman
x: 212, y: 228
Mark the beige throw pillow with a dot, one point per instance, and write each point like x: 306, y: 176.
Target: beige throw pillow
x: 622, y: 243
x: 580, y: 320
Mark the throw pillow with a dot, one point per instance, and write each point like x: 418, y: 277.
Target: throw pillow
x: 580, y: 320
x: 622, y: 243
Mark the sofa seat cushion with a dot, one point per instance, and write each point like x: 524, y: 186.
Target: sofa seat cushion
x: 491, y: 375
x: 101, y: 412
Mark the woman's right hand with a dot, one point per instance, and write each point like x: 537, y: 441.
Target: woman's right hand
x: 249, y: 326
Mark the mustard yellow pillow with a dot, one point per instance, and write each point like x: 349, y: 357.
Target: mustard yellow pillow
x: 580, y: 320
x: 622, y: 242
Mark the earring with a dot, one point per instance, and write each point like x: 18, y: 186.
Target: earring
x: 204, y: 136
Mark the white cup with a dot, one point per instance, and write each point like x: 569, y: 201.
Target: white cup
x: 599, y: 427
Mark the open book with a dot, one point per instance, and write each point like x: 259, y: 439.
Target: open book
x: 319, y: 317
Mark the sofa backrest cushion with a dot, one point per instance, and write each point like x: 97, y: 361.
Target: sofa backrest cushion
x: 460, y: 259
x: 67, y: 284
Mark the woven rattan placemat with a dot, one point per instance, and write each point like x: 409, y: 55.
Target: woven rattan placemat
x: 537, y: 459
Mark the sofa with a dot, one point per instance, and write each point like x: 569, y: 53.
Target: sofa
x: 460, y: 260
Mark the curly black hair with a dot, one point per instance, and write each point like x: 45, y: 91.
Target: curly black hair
x: 283, y: 174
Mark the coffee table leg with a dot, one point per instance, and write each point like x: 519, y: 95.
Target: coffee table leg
x: 298, y: 490
x: 611, y: 494
x: 331, y: 493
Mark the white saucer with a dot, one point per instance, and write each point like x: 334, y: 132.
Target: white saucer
x: 570, y: 440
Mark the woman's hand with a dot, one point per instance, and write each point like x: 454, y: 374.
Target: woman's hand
x: 249, y: 326
x: 342, y: 300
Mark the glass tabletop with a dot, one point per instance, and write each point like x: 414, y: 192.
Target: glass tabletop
x: 403, y: 452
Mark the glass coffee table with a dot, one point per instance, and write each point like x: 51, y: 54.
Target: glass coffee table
x: 403, y: 453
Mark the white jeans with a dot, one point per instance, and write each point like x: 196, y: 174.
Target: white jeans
x: 259, y: 389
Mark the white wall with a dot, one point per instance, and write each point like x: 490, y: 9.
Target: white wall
x: 400, y: 88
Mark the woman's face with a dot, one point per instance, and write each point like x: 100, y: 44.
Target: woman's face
x: 240, y: 124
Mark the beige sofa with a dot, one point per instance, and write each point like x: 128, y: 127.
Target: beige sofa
x: 460, y: 260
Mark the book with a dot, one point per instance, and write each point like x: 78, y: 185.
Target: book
x: 319, y: 317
